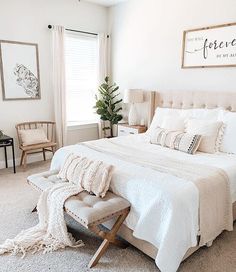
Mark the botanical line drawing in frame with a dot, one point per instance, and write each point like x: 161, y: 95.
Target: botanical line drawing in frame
x: 19, y: 65
x: 213, y: 46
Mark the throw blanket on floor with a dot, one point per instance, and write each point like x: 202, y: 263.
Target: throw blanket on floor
x: 50, y: 233
x: 215, y: 207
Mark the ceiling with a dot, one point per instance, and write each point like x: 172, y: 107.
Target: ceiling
x: 106, y: 3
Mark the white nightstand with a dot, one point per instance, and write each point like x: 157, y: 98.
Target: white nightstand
x: 125, y: 129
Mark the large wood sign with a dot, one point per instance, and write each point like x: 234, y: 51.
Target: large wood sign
x: 213, y: 46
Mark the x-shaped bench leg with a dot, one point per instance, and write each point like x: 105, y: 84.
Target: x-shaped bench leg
x: 109, y: 237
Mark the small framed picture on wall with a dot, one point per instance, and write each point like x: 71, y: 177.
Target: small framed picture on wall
x: 19, y: 65
x: 213, y: 46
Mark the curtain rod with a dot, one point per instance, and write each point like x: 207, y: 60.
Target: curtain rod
x: 78, y: 31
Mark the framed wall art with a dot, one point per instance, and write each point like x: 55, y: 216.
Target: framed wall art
x: 213, y: 46
x: 19, y: 65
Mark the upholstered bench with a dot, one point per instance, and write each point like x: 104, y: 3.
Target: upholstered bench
x: 90, y: 211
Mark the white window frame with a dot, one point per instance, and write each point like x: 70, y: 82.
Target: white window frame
x: 82, y: 124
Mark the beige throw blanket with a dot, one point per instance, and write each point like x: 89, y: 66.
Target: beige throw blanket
x: 50, y: 233
x: 215, y: 207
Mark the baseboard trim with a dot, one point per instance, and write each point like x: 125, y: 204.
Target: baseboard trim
x: 30, y: 159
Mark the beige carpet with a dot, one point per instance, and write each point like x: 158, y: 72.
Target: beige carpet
x: 17, y: 199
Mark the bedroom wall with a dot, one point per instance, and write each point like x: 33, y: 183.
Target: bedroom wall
x: 147, y: 44
x: 27, y: 21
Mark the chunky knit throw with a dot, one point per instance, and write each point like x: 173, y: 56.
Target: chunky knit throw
x: 50, y: 233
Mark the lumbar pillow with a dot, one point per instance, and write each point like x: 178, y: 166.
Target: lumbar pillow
x: 177, y: 140
x: 210, y: 132
x: 33, y: 136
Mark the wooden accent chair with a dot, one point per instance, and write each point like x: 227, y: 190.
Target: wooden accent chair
x: 48, y: 127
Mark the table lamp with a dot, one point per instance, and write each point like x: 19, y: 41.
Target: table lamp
x: 133, y: 96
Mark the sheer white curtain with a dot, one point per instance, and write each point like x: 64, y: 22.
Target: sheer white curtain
x: 103, y: 67
x: 59, y: 83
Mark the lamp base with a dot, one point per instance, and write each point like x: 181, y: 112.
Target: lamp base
x: 132, y: 116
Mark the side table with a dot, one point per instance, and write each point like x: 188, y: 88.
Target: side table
x: 6, y: 141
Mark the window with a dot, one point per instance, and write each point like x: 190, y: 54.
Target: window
x: 81, y: 56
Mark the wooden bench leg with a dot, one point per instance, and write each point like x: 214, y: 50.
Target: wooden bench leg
x: 108, y: 238
x: 97, y: 256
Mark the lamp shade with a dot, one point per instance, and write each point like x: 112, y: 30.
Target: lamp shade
x: 133, y: 96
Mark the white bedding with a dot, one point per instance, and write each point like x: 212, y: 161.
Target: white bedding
x: 164, y: 208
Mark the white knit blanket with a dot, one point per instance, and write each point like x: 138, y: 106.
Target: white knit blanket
x: 50, y: 233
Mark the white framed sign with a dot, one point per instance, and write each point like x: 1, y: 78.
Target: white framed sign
x: 213, y: 46
x: 19, y: 67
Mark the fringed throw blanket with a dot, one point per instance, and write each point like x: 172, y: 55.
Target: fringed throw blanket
x: 50, y: 233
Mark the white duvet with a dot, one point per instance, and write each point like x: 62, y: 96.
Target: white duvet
x: 164, y: 208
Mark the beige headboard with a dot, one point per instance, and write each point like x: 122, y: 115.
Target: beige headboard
x: 189, y: 100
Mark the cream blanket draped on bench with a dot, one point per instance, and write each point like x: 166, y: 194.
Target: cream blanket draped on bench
x: 50, y: 233
x: 215, y: 206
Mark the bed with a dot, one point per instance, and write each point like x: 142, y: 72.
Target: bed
x: 149, y: 190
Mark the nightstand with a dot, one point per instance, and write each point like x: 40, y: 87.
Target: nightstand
x: 125, y: 129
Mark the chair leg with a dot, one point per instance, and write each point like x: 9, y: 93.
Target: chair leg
x: 44, y: 155
x: 53, y: 150
x: 21, y: 159
x: 24, y: 160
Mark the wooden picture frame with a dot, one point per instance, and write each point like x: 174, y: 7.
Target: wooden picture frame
x: 213, y: 46
x: 19, y: 69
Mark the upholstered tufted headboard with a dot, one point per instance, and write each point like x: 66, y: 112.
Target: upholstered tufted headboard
x: 189, y: 100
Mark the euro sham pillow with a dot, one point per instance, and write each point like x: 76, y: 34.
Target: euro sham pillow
x: 173, y: 123
x: 33, y: 136
x: 160, y: 115
x: 203, y: 114
x: 177, y: 140
x: 228, y: 140
x: 210, y: 132
x: 177, y: 115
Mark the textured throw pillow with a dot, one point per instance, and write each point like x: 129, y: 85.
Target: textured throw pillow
x: 33, y: 136
x: 177, y: 140
x: 210, y: 132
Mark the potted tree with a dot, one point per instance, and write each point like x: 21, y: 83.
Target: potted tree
x: 107, y: 106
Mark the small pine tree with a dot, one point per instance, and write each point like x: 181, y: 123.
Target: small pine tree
x: 106, y: 106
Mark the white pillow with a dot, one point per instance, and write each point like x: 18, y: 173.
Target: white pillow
x: 204, y: 114
x: 173, y: 123
x: 209, y: 130
x: 228, y: 141
x: 33, y: 136
x: 161, y: 113
x: 159, y: 116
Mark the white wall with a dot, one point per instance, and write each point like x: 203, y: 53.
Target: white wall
x: 147, y: 44
x: 27, y: 21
